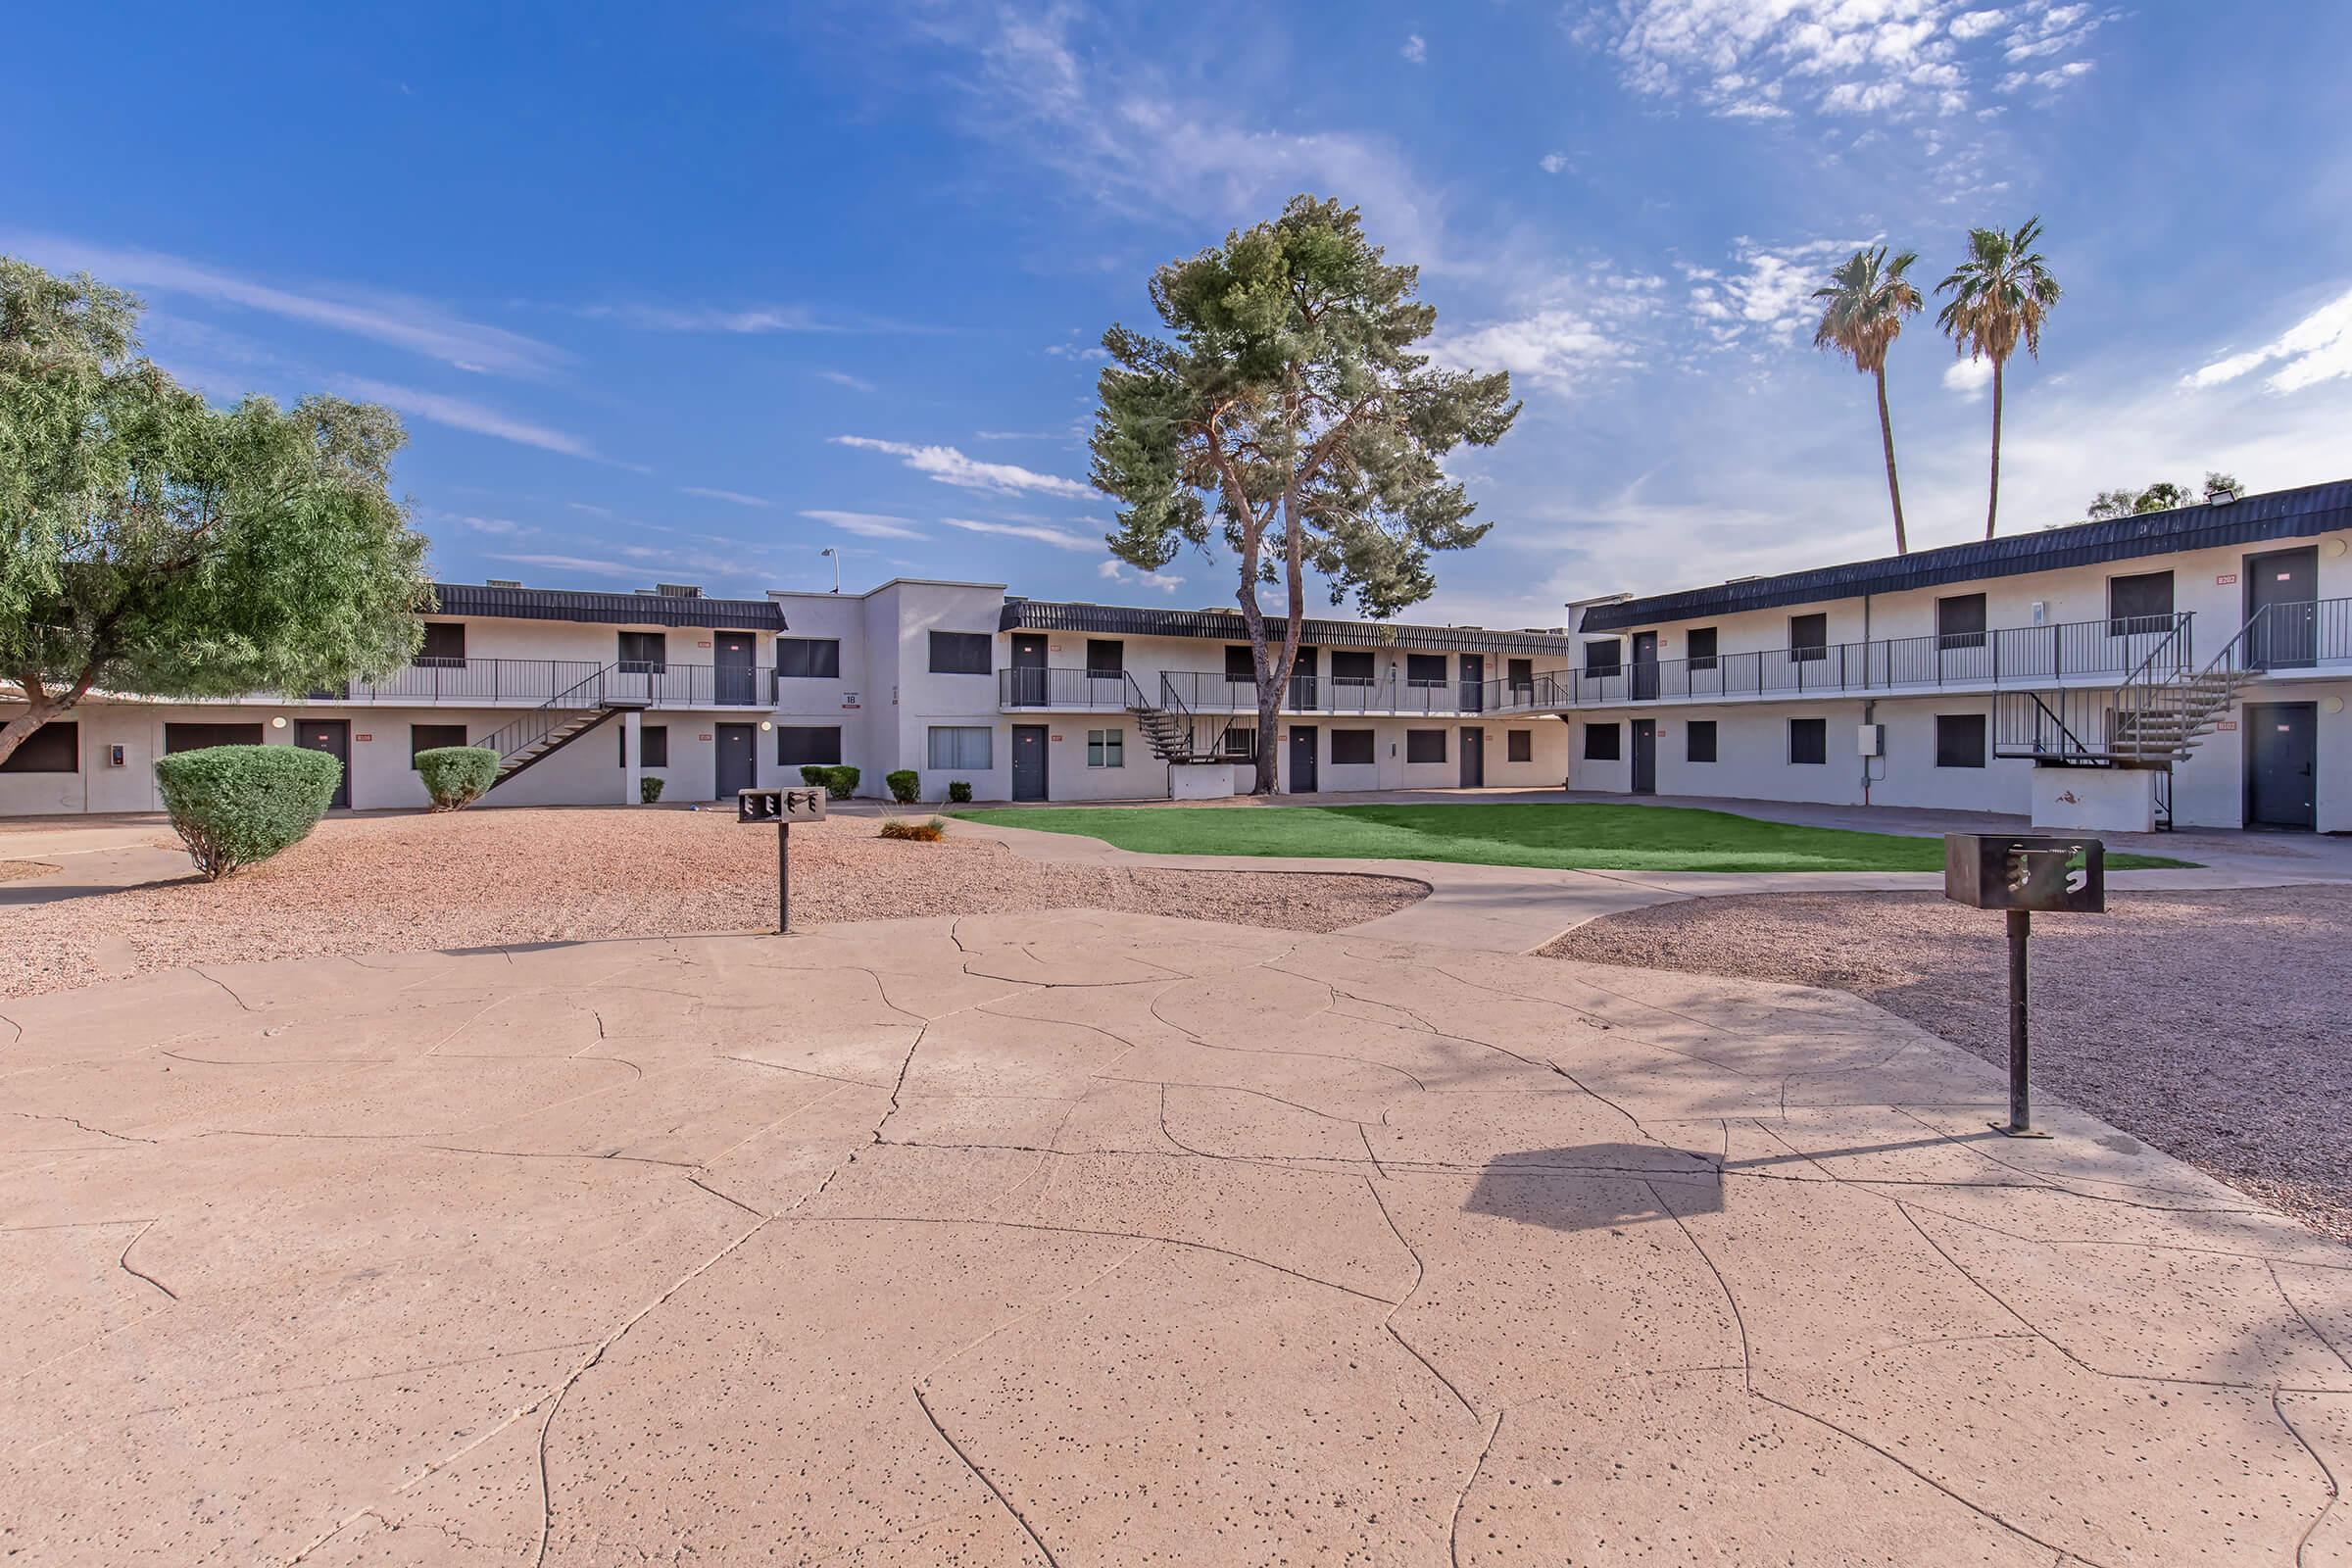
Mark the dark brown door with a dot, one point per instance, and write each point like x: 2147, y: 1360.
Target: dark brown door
x: 1474, y: 684
x: 738, y: 758
x: 333, y: 737
x: 1028, y: 673
x: 2283, y: 764
x: 1029, y: 779
x: 1474, y: 750
x: 1645, y: 756
x: 1304, y: 739
x: 1646, y: 666
x: 2284, y: 589
x: 733, y: 680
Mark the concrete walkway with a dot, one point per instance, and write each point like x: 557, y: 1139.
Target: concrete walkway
x: 1085, y: 1239
x: 1494, y: 908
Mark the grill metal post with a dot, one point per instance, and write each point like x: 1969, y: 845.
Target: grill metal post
x: 2020, y: 1095
x: 784, y: 882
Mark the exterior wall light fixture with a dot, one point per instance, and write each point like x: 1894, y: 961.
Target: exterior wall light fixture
x: 280, y: 722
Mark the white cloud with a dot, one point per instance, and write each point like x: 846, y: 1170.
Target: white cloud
x: 1554, y: 163
x: 741, y: 320
x: 459, y: 414
x: 1416, y: 49
x: 1119, y: 573
x: 1754, y: 59
x: 1035, y: 532
x: 595, y: 567
x: 1968, y: 377
x: 2316, y: 349
x: 733, y: 498
x: 948, y: 465
x: 855, y: 384
x: 416, y: 325
x: 1767, y: 292
x: 1574, y: 331
x: 867, y: 525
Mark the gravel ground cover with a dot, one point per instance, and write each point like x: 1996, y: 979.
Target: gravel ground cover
x: 1584, y: 835
x: 479, y: 878
x: 2211, y: 1024
x: 19, y: 870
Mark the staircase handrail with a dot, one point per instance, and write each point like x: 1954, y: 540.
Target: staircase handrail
x: 580, y: 697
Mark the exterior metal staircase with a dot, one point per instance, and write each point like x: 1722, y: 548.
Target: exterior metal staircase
x: 1169, y: 727
x: 555, y: 724
x: 2155, y: 719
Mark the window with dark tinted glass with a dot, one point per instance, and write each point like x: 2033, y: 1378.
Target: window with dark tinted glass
x: 1960, y: 621
x: 444, y: 644
x: 432, y: 737
x: 1603, y: 743
x: 1238, y: 663
x: 1808, y: 637
x: 1808, y: 740
x: 809, y: 657
x: 1350, y: 745
x: 1959, y: 739
x: 1702, y: 648
x: 54, y: 748
x: 1240, y: 740
x: 1519, y: 745
x: 800, y: 744
x: 1425, y: 669
x: 1353, y: 665
x: 2140, y: 603
x: 961, y: 653
x: 644, y: 653
x: 196, y: 737
x: 656, y: 745
x: 1603, y: 659
x: 1106, y: 655
x: 1425, y: 746
x: 1699, y: 741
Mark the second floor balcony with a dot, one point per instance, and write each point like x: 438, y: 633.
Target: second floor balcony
x: 1214, y: 692
x: 528, y: 682
x: 2016, y: 656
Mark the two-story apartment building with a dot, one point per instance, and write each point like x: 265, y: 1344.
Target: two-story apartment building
x: 2190, y: 665
x: 583, y: 694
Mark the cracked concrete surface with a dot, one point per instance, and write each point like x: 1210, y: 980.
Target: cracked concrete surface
x: 1079, y: 1238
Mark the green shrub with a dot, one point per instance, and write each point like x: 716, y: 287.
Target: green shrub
x: 649, y: 789
x: 906, y: 785
x: 233, y: 806
x: 839, y: 783
x: 925, y: 832
x: 959, y: 790
x: 456, y: 776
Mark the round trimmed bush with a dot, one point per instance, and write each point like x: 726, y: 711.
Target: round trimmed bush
x: 456, y: 776
x: 904, y: 785
x: 233, y: 806
x: 838, y: 783
x: 649, y: 788
x: 959, y: 790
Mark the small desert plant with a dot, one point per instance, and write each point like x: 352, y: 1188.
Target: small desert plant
x: 959, y: 790
x: 839, y: 783
x: 928, y: 831
x: 649, y: 790
x: 235, y: 805
x: 906, y: 785
x: 456, y: 776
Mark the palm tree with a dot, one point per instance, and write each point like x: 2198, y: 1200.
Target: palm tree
x: 1861, y: 315
x: 2000, y: 296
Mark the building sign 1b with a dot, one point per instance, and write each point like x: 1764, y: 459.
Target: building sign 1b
x: 2014, y: 871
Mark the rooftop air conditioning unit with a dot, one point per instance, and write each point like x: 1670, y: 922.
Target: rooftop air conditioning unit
x: 505, y: 582
x: 677, y: 590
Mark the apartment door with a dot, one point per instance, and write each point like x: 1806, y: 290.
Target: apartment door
x: 732, y: 680
x: 2282, y: 587
x: 1645, y: 756
x: 1474, y: 755
x: 1306, y: 686
x: 1646, y: 666
x: 333, y: 737
x: 1303, y: 739
x: 738, y: 758
x: 1474, y: 684
x: 1521, y: 675
x: 1029, y: 745
x: 2281, y: 765
x: 1028, y: 674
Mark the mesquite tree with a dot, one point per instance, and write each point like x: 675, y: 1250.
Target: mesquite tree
x: 153, y: 544
x: 1290, y: 392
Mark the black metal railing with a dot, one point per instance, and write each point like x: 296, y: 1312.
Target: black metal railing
x: 582, y: 697
x: 1032, y: 687
x: 1213, y: 691
x: 499, y: 681
x: 667, y: 685
x: 2009, y: 656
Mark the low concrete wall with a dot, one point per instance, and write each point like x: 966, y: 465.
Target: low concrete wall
x: 1201, y: 782
x: 2098, y: 800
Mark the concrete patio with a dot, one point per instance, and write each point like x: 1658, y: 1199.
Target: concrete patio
x: 1084, y: 1238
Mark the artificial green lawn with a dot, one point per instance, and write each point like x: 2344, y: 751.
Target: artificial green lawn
x: 1586, y: 836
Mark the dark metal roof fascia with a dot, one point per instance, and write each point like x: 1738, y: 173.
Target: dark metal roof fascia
x: 618, y: 610
x: 1225, y: 625
x: 2251, y: 519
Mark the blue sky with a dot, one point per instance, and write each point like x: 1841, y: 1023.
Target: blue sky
x: 691, y: 296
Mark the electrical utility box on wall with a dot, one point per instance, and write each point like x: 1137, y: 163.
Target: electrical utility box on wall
x: 1871, y: 739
